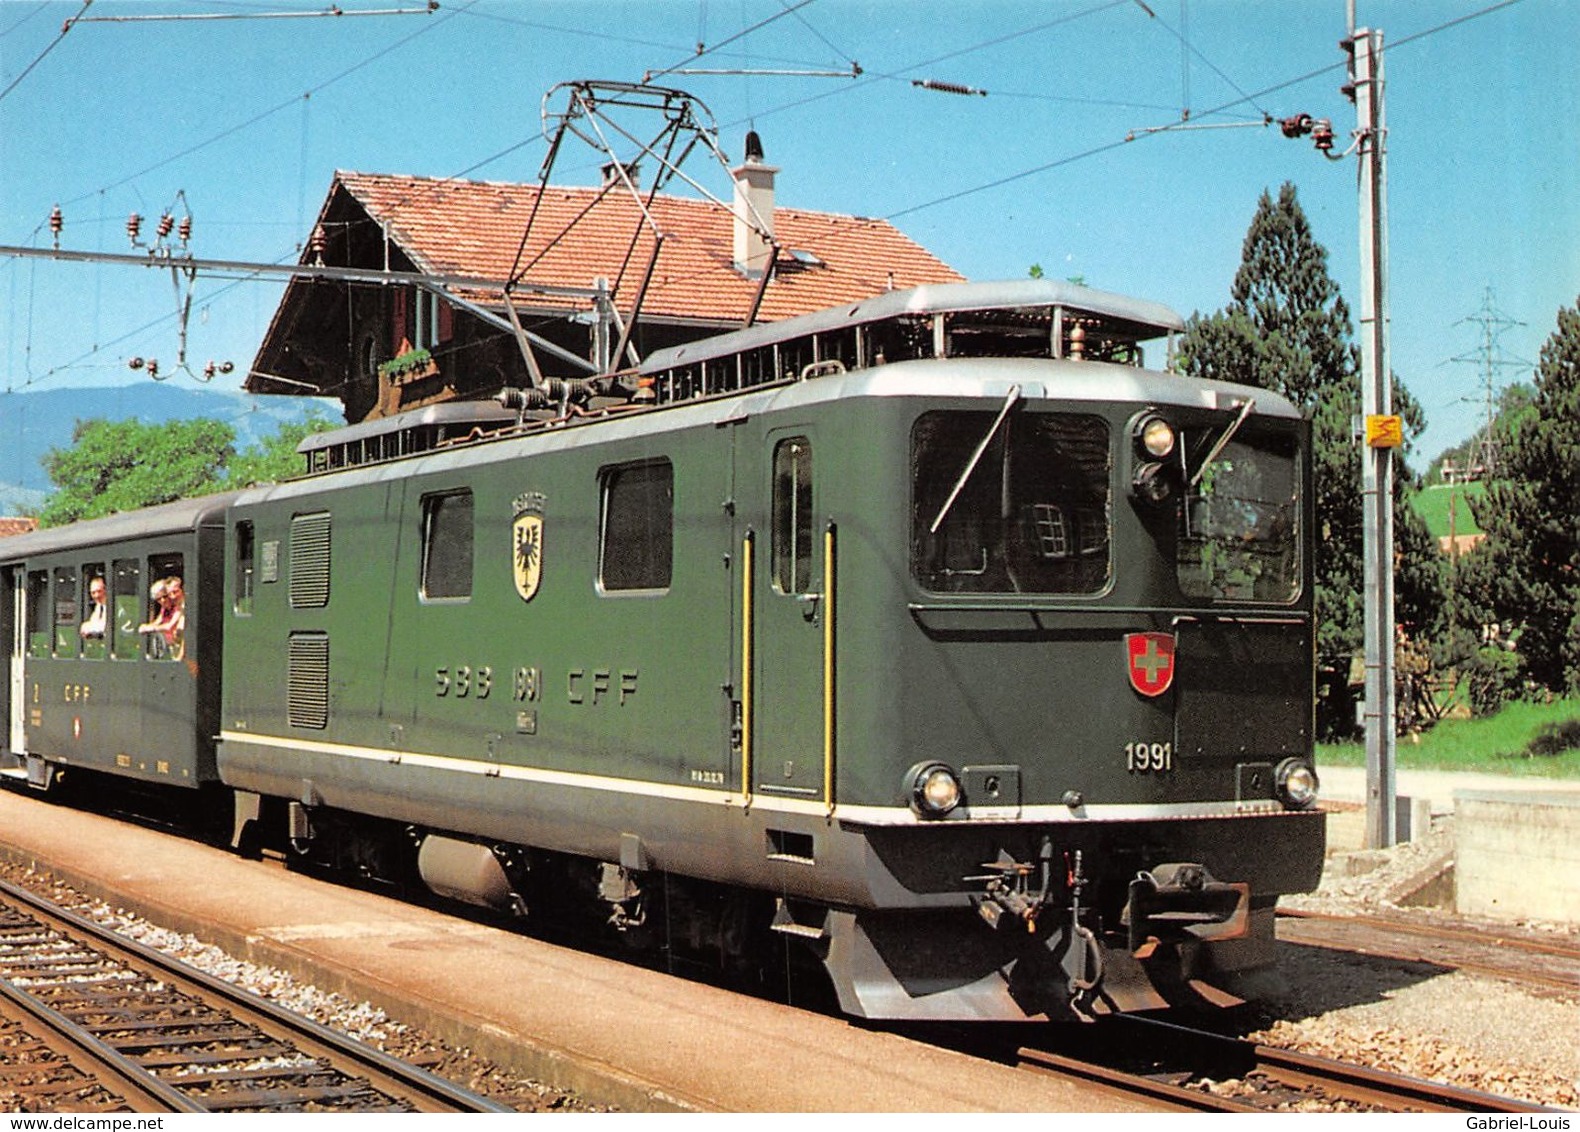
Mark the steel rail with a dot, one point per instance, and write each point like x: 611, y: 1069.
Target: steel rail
x: 425, y: 1091
x: 1306, y: 933
x: 1376, y: 1087
x: 130, y: 1082
x: 1116, y: 1081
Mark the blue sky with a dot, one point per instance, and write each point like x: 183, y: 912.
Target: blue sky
x: 247, y: 119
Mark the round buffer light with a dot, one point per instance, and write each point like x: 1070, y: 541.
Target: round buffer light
x: 1156, y: 436
x: 1296, y: 783
x: 935, y: 789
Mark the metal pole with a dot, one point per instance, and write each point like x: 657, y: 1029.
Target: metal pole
x: 1376, y: 462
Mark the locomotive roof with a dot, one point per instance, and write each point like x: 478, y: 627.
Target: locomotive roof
x: 168, y: 518
x: 1140, y: 319
x: 480, y: 414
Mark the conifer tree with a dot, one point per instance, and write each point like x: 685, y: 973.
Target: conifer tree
x: 1531, y: 514
x: 1287, y: 328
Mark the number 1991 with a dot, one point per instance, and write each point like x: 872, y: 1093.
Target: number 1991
x: 1149, y: 756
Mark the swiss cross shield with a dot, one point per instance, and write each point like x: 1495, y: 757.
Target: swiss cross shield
x: 1149, y: 659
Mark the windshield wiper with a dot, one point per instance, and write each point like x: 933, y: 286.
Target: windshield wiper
x: 1223, y: 441
x: 971, y: 464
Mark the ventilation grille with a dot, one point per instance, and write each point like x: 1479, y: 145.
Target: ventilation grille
x: 307, y: 686
x: 310, y: 561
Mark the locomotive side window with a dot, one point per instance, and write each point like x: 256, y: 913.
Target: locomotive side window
x: 39, y: 614
x: 447, y: 546
x: 1239, y: 525
x: 792, y: 514
x: 67, y: 638
x: 636, y: 528
x: 1028, y: 513
x: 246, y: 572
x: 127, y: 609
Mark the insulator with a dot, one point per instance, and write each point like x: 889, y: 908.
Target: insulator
x: 208, y: 372
x: 135, y: 363
x: 166, y: 222
x: 153, y: 368
x: 1322, y: 135
x: 134, y: 225
x: 56, y: 221
x: 185, y: 230
x: 1297, y: 126
x: 226, y: 367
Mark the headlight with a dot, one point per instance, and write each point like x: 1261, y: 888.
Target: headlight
x: 1156, y: 436
x: 934, y: 788
x: 1296, y: 782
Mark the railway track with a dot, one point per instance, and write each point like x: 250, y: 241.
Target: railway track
x: 1539, y: 963
x: 158, y: 1036
x: 1199, y: 1071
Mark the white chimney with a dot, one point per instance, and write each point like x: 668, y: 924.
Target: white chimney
x: 754, y: 210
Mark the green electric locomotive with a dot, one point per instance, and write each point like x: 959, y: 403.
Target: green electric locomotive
x: 935, y: 633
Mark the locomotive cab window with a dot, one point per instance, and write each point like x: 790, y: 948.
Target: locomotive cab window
x: 636, y: 527
x: 792, y: 526
x: 447, y: 546
x: 1240, y: 521
x: 1012, y: 504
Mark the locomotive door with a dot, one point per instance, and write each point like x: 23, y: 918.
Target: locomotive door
x: 784, y: 620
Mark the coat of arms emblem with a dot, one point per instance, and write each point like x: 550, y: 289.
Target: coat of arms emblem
x: 1149, y: 659
x: 526, y: 544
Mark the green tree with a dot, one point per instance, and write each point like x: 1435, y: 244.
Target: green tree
x: 273, y: 458
x: 116, y: 466
x: 1530, y: 575
x: 1287, y: 328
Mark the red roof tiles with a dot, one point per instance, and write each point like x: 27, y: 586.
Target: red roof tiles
x: 475, y: 228
x: 17, y: 526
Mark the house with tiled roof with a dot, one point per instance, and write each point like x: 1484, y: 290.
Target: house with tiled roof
x: 17, y: 526
x: 581, y: 261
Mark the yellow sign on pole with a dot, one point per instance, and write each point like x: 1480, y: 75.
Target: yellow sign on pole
x: 1384, y: 430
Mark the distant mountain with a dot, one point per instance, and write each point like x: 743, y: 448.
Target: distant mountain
x: 31, y: 423
x: 20, y: 500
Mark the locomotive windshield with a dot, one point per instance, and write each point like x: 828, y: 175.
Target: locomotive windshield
x: 1241, y: 516
x: 1029, y: 513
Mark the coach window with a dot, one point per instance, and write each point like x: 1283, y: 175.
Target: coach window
x: 128, y: 606
x: 67, y: 639
x: 94, y: 607
x: 246, y: 572
x: 792, y: 506
x: 447, y: 546
x: 164, y: 629
x: 637, y: 527
x: 40, y: 618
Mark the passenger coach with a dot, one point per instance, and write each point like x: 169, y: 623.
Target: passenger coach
x: 87, y: 688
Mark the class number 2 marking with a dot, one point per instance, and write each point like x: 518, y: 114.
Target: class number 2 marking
x: 1149, y: 757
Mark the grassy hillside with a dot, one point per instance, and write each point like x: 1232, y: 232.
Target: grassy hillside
x: 1446, y: 508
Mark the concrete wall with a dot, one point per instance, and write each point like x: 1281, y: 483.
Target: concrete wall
x: 1517, y: 855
